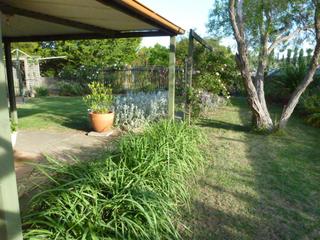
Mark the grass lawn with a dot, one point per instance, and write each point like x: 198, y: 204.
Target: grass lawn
x: 53, y: 113
x: 255, y: 186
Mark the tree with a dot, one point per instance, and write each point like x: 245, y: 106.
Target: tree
x: 301, y: 60
x: 295, y: 56
x: 219, y: 61
x: 157, y: 55
x: 31, y: 48
x: 309, y: 55
x: 264, y: 26
x: 93, y: 53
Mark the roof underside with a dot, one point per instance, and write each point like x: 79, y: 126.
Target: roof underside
x: 37, y: 20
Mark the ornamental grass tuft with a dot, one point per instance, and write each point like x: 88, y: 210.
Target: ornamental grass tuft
x: 133, y: 193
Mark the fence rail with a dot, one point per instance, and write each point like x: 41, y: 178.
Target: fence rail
x: 141, y: 78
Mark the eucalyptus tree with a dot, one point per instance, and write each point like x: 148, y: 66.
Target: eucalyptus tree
x: 264, y: 26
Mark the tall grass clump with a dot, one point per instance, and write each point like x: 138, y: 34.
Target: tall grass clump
x: 133, y: 193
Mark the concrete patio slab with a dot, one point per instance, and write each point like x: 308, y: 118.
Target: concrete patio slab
x: 33, y: 146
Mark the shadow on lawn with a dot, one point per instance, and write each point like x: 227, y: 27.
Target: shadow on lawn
x: 223, y: 125
x: 69, y: 112
x: 271, y: 192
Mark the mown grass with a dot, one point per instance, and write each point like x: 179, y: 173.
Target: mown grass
x: 59, y: 113
x: 256, y: 186
x: 133, y: 193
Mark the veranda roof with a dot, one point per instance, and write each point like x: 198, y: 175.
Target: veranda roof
x: 40, y: 20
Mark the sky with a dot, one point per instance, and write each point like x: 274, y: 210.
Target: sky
x: 184, y: 13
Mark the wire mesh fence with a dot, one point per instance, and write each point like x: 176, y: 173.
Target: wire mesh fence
x: 138, y: 78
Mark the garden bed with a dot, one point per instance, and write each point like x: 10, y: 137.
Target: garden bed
x: 133, y: 193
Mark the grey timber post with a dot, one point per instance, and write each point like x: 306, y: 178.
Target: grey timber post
x: 172, y: 77
x: 10, y: 223
x: 185, y: 90
x: 12, y: 97
x: 19, y: 76
x: 190, y: 72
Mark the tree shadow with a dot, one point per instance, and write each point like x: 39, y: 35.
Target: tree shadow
x: 223, y: 125
x: 209, y: 222
x: 272, y: 193
x: 69, y: 112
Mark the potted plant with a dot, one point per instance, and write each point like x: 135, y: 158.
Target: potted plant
x: 14, y: 133
x: 99, y: 102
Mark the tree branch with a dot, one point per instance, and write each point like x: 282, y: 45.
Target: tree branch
x: 263, y: 58
x: 284, y: 38
x: 308, y: 78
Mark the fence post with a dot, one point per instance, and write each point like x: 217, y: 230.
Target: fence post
x: 19, y: 76
x: 185, y: 89
x: 189, y: 74
x: 12, y: 95
x: 172, y: 77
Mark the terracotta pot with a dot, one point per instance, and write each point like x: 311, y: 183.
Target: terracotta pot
x: 101, y: 122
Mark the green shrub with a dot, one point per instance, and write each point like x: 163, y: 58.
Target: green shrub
x: 212, y: 83
x: 281, y: 85
x: 311, y: 107
x: 41, y: 91
x: 311, y: 103
x: 100, y: 98
x: 70, y: 88
x: 149, y: 87
x: 133, y: 194
x: 314, y: 119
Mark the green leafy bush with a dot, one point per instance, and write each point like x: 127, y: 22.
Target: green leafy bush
x: 220, y: 60
x: 133, y: 194
x: 314, y: 119
x: 41, y: 91
x: 100, y: 98
x: 281, y: 85
x: 70, y: 88
x: 212, y: 82
x: 311, y: 106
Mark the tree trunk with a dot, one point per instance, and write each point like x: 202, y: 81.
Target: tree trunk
x: 259, y: 79
x: 263, y: 61
x: 261, y: 117
x: 294, y: 99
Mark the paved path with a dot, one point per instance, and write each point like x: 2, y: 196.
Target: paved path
x: 33, y: 145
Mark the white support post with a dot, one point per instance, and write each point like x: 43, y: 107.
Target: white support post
x: 172, y: 78
x: 10, y: 223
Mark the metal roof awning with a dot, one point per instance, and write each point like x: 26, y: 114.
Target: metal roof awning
x: 41, y: 20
